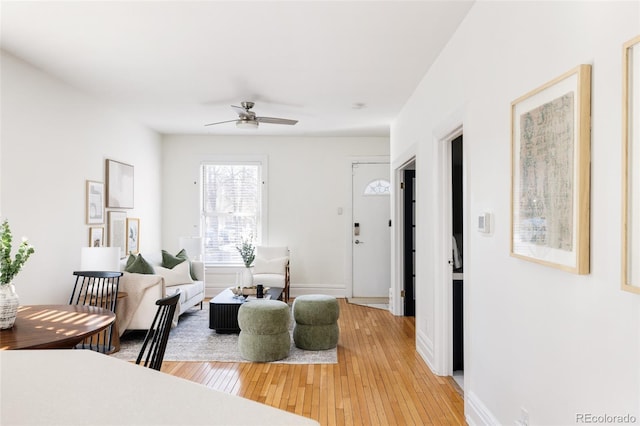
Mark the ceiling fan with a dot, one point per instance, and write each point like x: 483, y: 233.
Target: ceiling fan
x: 247, y: 119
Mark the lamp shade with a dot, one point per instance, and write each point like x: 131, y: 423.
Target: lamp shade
x: 193, y: 247
x: 100, y: 259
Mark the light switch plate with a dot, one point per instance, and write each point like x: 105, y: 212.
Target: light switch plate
x: 484, y: 223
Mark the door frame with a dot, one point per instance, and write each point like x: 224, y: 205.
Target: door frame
x: 443, y: 315
x: 349, y: 214
x: 396, y: 303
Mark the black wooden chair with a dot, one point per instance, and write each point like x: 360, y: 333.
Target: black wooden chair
x: 155, y: 342
x: 97, y: 288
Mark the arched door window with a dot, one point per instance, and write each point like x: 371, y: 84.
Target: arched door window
x: 378, y: 187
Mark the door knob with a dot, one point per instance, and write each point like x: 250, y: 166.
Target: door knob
x: 359, y: 242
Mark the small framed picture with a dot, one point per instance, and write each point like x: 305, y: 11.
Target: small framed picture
x: 118, y: 231
x: 95, y: 202
x: 96, y: 236
x: 133, y: 235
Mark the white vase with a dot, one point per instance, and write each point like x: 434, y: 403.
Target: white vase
x: 247, y: 277
x: 8, y: 306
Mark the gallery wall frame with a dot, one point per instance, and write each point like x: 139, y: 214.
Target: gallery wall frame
x: 118, y: 230
x: 96, y: 236
x: 631, y: 165
x: 94, y: 202
x: 120, y: 184
x: 133, y: 235
x: 550, y: 172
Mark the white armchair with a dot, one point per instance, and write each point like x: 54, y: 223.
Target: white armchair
x: 271, y: 268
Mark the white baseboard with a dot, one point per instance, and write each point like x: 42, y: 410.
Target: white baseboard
x: 476, y: 413
x: 328, y: 289
x: 424, y: 346
x: 338, y: 291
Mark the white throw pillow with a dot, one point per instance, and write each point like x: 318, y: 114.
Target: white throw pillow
x: 270, y: 266
x: 178, y: 275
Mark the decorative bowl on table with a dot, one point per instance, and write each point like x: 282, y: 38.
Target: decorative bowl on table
x: 253, y: 290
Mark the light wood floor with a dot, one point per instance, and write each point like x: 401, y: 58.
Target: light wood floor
x: 379, y: 379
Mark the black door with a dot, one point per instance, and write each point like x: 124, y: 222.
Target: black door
x: 409, y: 242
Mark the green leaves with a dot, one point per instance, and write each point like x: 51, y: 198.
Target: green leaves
x: 10, y: 268
x: 247, y: 251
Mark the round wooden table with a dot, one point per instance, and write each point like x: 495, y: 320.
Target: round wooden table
x: 54, y: 326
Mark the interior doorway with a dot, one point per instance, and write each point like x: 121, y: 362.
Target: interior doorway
x: 409, y: 245
x: 457, y: 261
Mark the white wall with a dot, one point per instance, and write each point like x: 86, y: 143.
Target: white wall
x: 53, y: 139
x: 552, y: 342
x: 308, y: 180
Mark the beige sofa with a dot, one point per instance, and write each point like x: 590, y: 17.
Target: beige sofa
x: 136, y: 311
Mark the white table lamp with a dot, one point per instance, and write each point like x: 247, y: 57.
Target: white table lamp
x: 100, y: 259
x: 193, y: 247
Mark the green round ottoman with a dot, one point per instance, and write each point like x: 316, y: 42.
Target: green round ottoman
x: 316, y: 322
x: 264, y: 330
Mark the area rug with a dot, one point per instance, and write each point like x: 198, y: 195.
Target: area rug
x: 193, y: 340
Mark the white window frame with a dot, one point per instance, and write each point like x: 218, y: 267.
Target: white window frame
x: 260, y: 160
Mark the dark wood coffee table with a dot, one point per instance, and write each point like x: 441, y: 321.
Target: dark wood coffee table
x: 223, y: 310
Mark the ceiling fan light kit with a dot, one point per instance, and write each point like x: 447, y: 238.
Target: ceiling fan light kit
x: 247, y: 124
x: 247, y: 119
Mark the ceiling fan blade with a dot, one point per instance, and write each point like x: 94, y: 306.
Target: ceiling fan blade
x: 243, y: 112
x: 273, y: 120
x: 220, y: 122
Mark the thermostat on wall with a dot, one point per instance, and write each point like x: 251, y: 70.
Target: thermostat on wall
x: 484, y: 223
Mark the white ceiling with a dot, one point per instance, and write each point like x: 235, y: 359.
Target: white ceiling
x: 177, y: 65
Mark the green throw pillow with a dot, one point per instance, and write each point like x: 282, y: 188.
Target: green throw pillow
x: 169, y: 261
x: 182, y: 254
x: 139, y: 266
x: 130, y: 260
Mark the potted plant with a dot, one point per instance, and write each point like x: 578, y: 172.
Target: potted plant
x: 247, y: 251
x: 9, y: 268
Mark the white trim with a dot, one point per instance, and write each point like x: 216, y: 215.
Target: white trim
x: 397, y: 226
x: 335, y: 290
x: 443, y: 276
x: 475, y: 412
x: 424, y: 346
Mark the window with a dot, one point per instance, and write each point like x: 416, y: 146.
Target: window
x: 378, y: 187
x: 232, y: 202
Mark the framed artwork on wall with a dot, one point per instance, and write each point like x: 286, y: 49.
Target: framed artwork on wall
x: 118, y: 231
x: 550, y: 172
x: 631, y: 166
x: 119, y: 185
x: 95, y: 202
x: 133, y: 235
x: 96, y: 236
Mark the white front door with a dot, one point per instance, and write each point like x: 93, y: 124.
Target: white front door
x: 370, y: 231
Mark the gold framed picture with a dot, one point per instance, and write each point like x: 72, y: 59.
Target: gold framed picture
x: 133, y: 235
x: 96, y: 236
x: 630, y: 169
x: 118, y: 231
x: 95, y: 202
x: 550, y: 172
